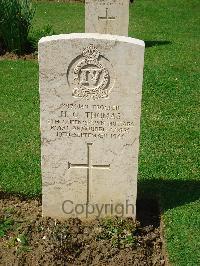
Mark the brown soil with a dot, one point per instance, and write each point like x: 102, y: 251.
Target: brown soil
x: 33, y: 240
x: 12, y: 56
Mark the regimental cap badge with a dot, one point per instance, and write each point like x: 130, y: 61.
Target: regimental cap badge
x: 91, y: 75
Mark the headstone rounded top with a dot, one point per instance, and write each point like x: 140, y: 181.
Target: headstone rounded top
x: 97, y: 36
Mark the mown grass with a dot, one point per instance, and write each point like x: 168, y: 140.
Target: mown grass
x: 63, y: 17
x: 20, y: 144
x: 169, y: 153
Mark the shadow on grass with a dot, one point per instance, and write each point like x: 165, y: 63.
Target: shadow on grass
x: 148, y: 212
x: 149, y: 44
x: 169, y: 193
x: 154, y: 197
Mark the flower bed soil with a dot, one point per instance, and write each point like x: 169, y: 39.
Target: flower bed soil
x: 28, y: 239
x: 12, y: 56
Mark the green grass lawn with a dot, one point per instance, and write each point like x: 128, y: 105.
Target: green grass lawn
x: 169, y: 154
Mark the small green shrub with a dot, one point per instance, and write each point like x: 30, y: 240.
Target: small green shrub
x: 15, y: 22
x: 36, y: 35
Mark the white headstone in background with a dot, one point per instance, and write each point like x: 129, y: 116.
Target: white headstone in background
x: 107, y: 16
x: 90, y: 93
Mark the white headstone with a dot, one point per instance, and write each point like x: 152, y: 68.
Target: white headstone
x: 90, y: 92
x: 107, y: 16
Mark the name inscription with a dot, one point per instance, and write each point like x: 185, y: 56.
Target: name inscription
x: 90, y: 121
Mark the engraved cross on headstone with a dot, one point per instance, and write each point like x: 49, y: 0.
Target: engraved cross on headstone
x: 106, y: 17
x: 89, y: 166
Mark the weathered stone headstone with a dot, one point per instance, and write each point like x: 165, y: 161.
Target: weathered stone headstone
x: 107, y: 16
x: 90, y: 92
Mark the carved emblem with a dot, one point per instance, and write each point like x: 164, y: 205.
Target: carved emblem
x: 90, y: 75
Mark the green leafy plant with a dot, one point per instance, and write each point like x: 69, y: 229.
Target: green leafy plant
x: 36, y: 35
x: 119, y: 231
x: 15, y: 22
x: 9, y: 210
x: 22, y: 239
x: 6, y: 224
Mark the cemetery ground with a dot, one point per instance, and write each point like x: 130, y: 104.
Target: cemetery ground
x: 168, y: 162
